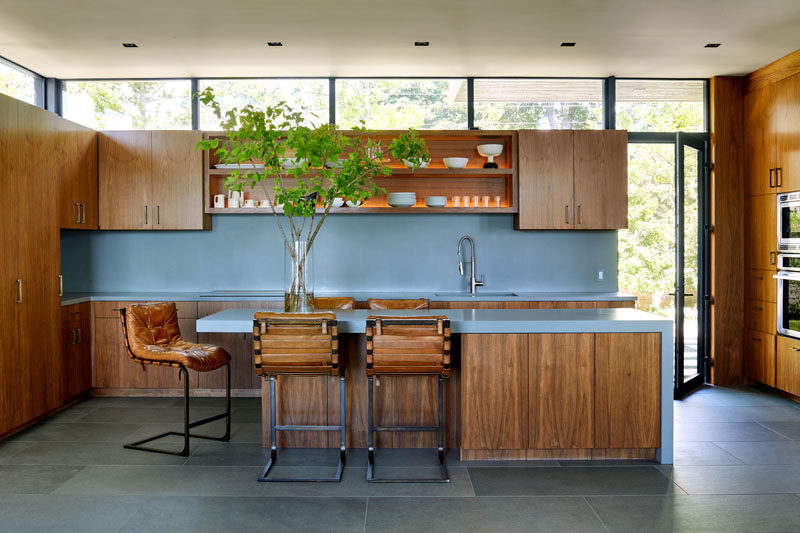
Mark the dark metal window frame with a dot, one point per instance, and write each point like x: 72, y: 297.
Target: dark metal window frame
x: 39, y: 92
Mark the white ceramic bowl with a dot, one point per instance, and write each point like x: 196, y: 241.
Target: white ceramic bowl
x: 291, y: 162
x: 402, y: 203
x: 455, y: 162
x: 353, y: 204
x: 337, y: 202
x: 436, y: 201
x: 422, y: 164
x: 490, y: 150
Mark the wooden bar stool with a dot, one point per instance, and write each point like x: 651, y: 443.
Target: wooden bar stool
x: 304, y: 344
x: 418, y: 303
x: 330, y: 303
x: 152, y: 337
x: 407, y: 346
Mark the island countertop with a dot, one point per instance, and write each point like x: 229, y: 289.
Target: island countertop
x: 478, y: 320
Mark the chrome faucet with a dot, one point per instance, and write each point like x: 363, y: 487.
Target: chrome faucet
x: 472, y: 281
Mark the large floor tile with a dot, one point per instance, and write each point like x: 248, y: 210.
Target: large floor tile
x: 737, y: 479
x: 58, y: 513
x: 723, y: 431
x: 240, y: 433
x: 698, y: 513
x: 164, y: 481
x: 82, y: 454
x: 10, y: 448
x: 570, y: 481
x: 33, y: 479
x: 742, y: 396
x: 199, y: 514
x: 134, y: 402
x: 77, y: 432
x: 481, y: 514
x: 789, y: 429
x: 145, y: 415
x: 702, y: 453
x: 765, y: 453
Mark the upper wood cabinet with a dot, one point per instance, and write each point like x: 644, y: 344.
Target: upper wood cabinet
x: 760, y: 232
x: 787, y: 133
x: 151, y: 180
x: 77, y: 154
x: 759, y: 141
x: 573, y: 179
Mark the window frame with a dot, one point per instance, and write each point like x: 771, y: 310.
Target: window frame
x: 38, y: 80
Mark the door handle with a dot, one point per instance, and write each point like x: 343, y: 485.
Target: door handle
x: 580, y: 214
x: 773, y: 258
x: 684, y: 294
x: 145, y: 215
x: 756, y: 339
x: 83, y: 213
x: 779, y: 177
x: 60, y: 285
x: 78, y: 213
x: 158, y: 214
x: 74, y: 337
x: 80, y: 337
x: 772, y: 183
x: 19, y: 291
x: 566, y: 214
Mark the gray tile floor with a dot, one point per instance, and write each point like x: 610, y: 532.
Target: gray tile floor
x: 737, y: 468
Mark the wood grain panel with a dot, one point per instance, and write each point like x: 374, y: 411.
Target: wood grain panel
x: 787, y: 133
x: 178, y: 181
x: 615, y: 304
x: 761, y: 316
x: 787, y: 365
x: 601, y: 179
x: 788, y: 65
x: 68, y: 182
x: 627, y: 390
x: 758, y: 134
x: 110, y: 309
x: 561, y: 390
x: 546, y: 188
x: 492, y: 455
x: 760, y: 285
x: 727, y: 253
x: 759, y: 356
x: 76, y: 376
x: 563, y: 305
x: 479, y: 305
x: 125, y: 179
x: 760, y: 232
x: 87, y: 178
x: 494, y: 392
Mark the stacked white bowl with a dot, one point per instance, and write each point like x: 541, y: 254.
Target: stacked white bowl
x: 402, y: 199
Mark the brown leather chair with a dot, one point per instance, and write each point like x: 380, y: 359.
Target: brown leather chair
x: 408, y: 345
x: 377, y: 304
x: 330, y: 303
x: 153, y: 337
x: 302, y: 343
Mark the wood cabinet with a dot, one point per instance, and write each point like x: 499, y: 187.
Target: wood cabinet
x: 151, y: 180
x: 77, y: 186
x: 787, y: 365
x: 759, y: 356
x: 759, y: 141
x: 566, y: 395
x: 761, y: 316
x: 573, y: 179
x: 787, y: 133
x: 761, y: 232
x: 760, y: 285
x: 76, y: 350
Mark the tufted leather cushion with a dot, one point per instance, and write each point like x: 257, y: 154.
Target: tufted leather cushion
x: 154, y: 335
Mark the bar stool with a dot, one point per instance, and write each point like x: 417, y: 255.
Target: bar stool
x: 343, y: 303
x: 152, y: 337
x: 406, y: 346
x: 304, y: 344
x: 377, y: 304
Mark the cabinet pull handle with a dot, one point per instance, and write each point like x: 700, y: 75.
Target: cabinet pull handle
x: 83, y: 213
x: 158, y: 214
x: 566, y: 214
x: 772, y: 183
x: 759, y: 277
x: 60, y: 285
x: 779, y: 177
x: 78, y: 213
x: 773, y: 258
x: 580, y: 214
x: 759, y: 308
x: 80, y: 337
x: 145, y: 215
x: 73, y: 337
x: 19, y: 291
x: 794, y: 349
x: 756, y: 339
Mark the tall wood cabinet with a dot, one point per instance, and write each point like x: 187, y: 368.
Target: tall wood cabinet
x: 151, y: 180
x: 573, y: 179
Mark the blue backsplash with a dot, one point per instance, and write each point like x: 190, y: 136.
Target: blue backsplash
x: 352, y: 253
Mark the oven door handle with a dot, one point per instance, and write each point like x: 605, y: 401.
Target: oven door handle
x: 792, y: 276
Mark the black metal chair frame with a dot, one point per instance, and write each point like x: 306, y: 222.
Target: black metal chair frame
x: 183, y: 373
x: 439, y: 428
x: 274, y: 427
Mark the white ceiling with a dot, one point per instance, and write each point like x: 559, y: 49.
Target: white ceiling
x: 177, y: 38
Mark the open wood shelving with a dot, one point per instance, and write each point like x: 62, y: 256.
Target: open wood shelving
x: 435, y: 180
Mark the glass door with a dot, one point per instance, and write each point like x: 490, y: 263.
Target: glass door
x: 691, y: 268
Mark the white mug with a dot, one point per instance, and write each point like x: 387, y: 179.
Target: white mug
x: 219, y: 200
x: 263, y: 203
x: 249, y: 203
x: 233, y: 202
x: 236, y: 195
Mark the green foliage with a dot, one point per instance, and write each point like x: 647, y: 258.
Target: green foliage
x: 16, y: 84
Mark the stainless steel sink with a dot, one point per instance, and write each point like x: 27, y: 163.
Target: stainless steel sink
x: 477, y: 295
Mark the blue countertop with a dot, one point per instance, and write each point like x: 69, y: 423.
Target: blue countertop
x: 277, y: 295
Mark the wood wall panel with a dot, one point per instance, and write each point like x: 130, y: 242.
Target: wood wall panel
x: 627, y: 404
x: 784, y: 67
x: 561, y: 390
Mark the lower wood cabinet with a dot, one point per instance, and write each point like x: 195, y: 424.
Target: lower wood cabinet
x: 76, y: 350
x: 566, y: 395
x: 759, y: 356
x: 558, y: 304
x: 787, y: 365
x: 761, y: 316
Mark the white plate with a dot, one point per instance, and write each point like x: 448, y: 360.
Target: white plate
x: 231, y: 166
x: 400, y: 203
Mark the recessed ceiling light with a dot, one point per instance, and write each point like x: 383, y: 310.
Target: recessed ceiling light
x: 713, y: 45
x: 422, y: 43
x: 567, y: 44
x: 130, y: 45
x: 274, y: 43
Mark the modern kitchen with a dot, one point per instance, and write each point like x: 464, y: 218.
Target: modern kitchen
x: 249, y: 284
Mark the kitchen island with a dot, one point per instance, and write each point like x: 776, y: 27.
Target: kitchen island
x: 527, y: 384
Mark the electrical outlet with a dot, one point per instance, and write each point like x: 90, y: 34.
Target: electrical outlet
x: 600, y: 275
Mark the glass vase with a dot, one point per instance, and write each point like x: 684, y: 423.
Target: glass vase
x: 298, y: 278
